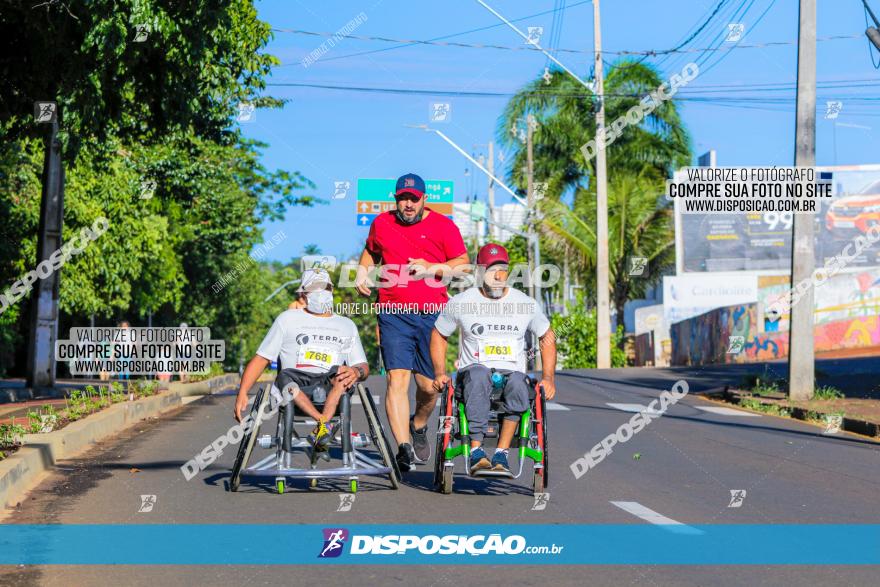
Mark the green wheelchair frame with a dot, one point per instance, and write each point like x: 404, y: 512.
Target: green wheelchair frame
x: 530, y: 438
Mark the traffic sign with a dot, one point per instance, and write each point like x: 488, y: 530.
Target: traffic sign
x: 377, y: 207
x: 382, y: 190
x: 365, y: 219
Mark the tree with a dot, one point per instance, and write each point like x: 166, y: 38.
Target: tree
x: 640, y: 158
x: 639, y: 226
x: 199, y: 60
x: 158, y: 109
x: 565, y: 112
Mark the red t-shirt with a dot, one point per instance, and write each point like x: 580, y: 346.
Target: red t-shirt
x: 436, y: 239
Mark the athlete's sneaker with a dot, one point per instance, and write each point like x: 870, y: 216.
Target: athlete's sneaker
x: 405, y: 457
x: 320, y: 437
x: 479, y: 460
x: 499, y: 462
x: 421, y: 446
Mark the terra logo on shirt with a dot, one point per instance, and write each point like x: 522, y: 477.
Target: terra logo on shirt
x: 478, y: 329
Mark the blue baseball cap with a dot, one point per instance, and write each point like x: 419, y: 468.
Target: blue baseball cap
x: 410, y: 184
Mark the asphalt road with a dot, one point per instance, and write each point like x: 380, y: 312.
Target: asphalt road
x: 688, y: 462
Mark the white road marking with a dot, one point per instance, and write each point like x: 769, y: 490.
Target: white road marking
x: 634, y: 408
x: 652, y: 517
x: 557, y: 407
x: 356, y: 399
x: 726, y: 411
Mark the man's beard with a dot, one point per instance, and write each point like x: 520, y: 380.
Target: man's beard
x: 415, y: 219
x: 494, y: 292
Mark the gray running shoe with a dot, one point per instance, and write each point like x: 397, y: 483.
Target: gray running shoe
x: 421, y: 446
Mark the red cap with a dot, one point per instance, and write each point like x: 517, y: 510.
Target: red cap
x: 490, y: 254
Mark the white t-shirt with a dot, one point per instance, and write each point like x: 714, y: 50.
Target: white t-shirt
x: 312, y: 343
x: 493, y: 332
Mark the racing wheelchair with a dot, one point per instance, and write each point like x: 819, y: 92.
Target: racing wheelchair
x: 286, y: 442
x: 453, y: 440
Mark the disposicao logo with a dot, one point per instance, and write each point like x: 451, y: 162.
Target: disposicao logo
x: 334, y: 541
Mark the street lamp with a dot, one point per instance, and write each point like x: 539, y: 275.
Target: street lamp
x: 274, y: 293
x: 872, y: 33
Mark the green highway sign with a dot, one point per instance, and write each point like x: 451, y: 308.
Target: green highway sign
x: 382, y: 190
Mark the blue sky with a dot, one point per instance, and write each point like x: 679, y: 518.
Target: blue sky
x: 330, y: 135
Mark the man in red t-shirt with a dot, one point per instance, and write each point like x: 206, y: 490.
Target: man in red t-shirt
x: 417, y: 248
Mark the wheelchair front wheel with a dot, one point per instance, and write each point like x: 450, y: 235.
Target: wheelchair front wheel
x: 378, y: 436
x: 248, y: 441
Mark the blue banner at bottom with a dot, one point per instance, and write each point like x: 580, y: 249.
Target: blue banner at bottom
x: 454, y: 544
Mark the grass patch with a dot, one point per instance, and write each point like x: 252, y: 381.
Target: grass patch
x: 756, y: 405
x: 827, y: 392
x: 765, y: 387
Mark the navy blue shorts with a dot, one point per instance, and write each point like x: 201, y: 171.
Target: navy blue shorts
x: 405, y: 341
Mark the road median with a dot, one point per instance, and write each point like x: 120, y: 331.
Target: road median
x: 858, y: 416
x: 23, y: 470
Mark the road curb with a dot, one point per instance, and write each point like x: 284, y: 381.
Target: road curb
x: 206, y: 387
x: 861, y: 427
x: 21, y: 471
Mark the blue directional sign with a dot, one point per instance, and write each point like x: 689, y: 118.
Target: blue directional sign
x: 365, y: 219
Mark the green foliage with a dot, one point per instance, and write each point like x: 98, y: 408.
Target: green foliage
x: 43, y: 420
x: 765, y: 387
x: 576, y: 337
x: 758, y: 406
x: 159, y: 111
x: 142, y: 388
x: 641, y: 157
x: 213, y: 371
x: 827, y: 392
x: 201, y: 58
x: 11, y: 435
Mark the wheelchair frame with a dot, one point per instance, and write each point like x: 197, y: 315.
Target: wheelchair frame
x: 287, y: 442
x: 531, y: 440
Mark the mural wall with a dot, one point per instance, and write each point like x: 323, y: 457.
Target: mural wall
x: 712, y: 337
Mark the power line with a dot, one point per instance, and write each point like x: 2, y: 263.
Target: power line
x: 684, y: 95
x: 405, y: 43
x: 692, y: 35
x: 751, y: 27
x: 524, y: 47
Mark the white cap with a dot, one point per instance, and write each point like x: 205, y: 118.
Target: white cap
x: 312, y: 278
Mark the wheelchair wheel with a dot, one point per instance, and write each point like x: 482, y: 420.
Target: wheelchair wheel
x: 247, y: 442
x: 377, y: 434
x: 444, y: 438
x: 446, y: 481
x: 541, y: 481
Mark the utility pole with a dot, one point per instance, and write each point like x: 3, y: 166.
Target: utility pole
x: 603, y: 308
x: 491, y: 190
x: 44, y: 300
x: 530, y: 199
x: 801, y: 357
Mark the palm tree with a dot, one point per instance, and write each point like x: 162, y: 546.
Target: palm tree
x: 311, y: 249
x: 639, y: 226
x: 565, y: 113
x: 645, y: 154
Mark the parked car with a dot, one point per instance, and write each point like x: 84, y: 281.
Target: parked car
x: 857, y: 212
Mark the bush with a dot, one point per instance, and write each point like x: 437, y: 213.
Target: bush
x: 576, y: 339
x: 215, y: 370
x: 11, y: 435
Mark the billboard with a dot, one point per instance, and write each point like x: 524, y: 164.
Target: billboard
x: 686, y: 296
x: 762, y: 241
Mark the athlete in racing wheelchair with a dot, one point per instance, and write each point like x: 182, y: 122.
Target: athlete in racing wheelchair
x: 492, y: 390
x: 321, y: 364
